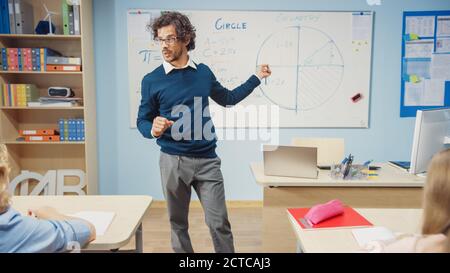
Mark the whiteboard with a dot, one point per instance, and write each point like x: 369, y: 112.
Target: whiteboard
x: 319, y: 62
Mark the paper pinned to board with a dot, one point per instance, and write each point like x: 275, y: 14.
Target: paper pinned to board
x: 361, y: 26
x: 419, y: 48
x: 423, y: 26
x: 443, y: 45
x: 419, y: 67
x: 363, y: 236
x: 100, y: 219
x: 440, y: 66
x: 443, y: 26
x: 425, y: 93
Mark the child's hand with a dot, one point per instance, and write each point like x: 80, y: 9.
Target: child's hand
x: 45, y: 213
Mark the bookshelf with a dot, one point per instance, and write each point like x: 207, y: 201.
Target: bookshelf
x: 41, y: 157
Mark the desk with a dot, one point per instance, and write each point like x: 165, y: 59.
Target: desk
x: 393, y: 188
x: 127, y: 221
x: 342, y: 240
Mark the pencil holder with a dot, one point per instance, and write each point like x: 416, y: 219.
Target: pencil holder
x: 355, y: 172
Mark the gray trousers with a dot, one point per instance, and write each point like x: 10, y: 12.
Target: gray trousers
x: 178, y: 174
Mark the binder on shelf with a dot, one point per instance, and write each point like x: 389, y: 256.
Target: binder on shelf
x: 19, y: 59
x: 36, y: 59
x: 75, y: 68
x: 63, y: 61
x: 76, y: 19
x: 27, y: 62
x: 71, y: 21
x: 41, y: 138
x: 13, y: 64
x: 65, y: 16
x: 12, y: 21
x: 47, y: 132
x: 71, y: 130
x: 23, y: 17
x: 349, y: 219
x: 4, y: 17
x: 4, y: 59
x: 62, y: 129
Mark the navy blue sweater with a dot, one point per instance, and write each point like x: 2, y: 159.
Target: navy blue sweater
x: 162, y: 94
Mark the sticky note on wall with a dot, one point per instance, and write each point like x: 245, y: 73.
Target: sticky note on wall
x: 414, y: 78
x: 411, y: 37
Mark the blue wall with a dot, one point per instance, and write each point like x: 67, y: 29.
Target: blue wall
x: 129, y: 163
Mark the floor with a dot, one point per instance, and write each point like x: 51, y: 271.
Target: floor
x: 245, y: 224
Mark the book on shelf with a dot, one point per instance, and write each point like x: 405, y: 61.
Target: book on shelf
x: 67, y: 104
x: 26, y: 59
x: 18, y: 94
x: 56, y: 102
x: 72, y: 129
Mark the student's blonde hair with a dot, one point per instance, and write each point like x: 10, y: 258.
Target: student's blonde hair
x: 436, y: 207
x: 4, y: 172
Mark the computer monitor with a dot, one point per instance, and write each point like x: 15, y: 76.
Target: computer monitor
x: 431, y: 135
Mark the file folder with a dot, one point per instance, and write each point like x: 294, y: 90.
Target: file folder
x: 12, y: 21
x: 76, y: 19
x: 68, y: 68
x: 24, y: 17
x: 41, y: 132
x: 42, y: 138
x: 349, y: 219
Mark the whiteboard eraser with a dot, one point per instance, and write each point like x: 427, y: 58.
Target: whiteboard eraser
x: 357, y: 97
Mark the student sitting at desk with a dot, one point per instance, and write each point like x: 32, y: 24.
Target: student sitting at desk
x: 436, y: 214
x: 50, y: 232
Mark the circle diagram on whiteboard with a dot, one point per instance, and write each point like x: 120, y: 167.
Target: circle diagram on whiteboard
x: 304, y: 75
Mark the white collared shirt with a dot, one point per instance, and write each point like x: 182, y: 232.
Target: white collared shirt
x: 169, y: 67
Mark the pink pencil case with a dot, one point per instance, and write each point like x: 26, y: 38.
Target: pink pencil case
x: 322, y: 212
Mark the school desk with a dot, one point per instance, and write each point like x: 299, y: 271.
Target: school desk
x: 342, y: 239
x: 392, y: 188
x: 127, y: 222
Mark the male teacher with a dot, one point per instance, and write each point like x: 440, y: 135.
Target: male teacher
x: 173, y: 95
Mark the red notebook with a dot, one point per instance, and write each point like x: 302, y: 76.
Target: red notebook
x: 350, y: 218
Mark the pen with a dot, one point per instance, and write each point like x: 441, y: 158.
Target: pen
x: 349, y: 165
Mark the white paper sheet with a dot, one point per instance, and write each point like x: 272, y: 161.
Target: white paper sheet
x: 443, y: 26
x: 100, y: 219
x: 443, y: 45
x: 361, y: 26
x: 433, y: 93
x: 420, y: 25
x: 367, y: 235
x: 413, y: 93
x: 419, y: 49
x: 440, y: 66
x: 418, y: 67
x: 425, y: 93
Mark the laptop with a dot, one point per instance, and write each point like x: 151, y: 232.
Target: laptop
x: 291, y: 161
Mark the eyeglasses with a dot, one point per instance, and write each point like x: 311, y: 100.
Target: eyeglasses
x: 168, y: 41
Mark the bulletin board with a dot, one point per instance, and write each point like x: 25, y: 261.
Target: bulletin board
x: 425, y: 82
